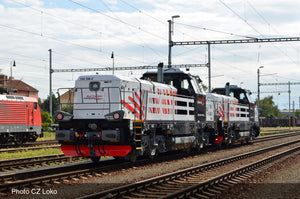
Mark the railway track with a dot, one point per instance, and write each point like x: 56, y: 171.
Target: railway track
x: 276, y: 136
x: 22, y: 163
x: 193, y: 182
x: 28, y: 149
x: 29, y: 144
x: 53, y: 143
x: 67, y: 172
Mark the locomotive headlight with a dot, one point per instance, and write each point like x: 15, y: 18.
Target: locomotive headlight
x: 59, y: 116
x: 115, y: 116
x: 63, y: 116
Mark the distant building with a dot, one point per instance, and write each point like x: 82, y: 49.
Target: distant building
x: 18, y: 87
x: 66, y: 99
x: 286, y: 113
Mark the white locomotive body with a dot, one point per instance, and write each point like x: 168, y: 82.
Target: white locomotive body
x: 128, y: 117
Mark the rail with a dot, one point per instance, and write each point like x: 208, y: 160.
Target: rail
x: 118, y: 192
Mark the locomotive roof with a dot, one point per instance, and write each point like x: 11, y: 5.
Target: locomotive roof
x: 17, y: 98
x: 105, y: 77
x: 231, y: 87
x: 167, y: 70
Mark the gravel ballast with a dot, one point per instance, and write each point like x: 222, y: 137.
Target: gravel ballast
x: 79, y: 187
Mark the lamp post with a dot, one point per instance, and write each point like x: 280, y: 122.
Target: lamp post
x: 258, y: 91
x: 12, y: 64
x: 171, y: 22
x: 113, y: 61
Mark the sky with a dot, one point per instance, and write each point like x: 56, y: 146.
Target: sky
x: 84, y: 33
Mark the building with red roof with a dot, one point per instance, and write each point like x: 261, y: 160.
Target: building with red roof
x: 18, y: 87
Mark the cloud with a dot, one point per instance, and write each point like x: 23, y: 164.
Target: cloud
x: 83, y: 38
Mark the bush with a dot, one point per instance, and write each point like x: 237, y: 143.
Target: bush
x: 45, y: 117
x: 45, y: 126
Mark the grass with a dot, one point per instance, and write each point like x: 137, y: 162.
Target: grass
x: 47, y: 136
x: 275, y: 130
x: 30, y: 153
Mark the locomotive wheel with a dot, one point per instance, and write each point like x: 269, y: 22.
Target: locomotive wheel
x: 153, y: 153
x: 18, y: 142
x: 95, y: 159
x: 132, y: 156
x: 33, y: 138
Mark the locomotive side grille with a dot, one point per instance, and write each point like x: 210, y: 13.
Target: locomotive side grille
x: 12, y: 113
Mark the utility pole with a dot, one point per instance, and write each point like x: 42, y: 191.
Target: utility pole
x: 50, y: 90
x: 258, y: 92
x: 170, y: 44
x: 113, y: 61
x: 289, y: 90
x: 209, y: 68
x: 12, y: 64
x: 171, y: 24
x: 293, y: 113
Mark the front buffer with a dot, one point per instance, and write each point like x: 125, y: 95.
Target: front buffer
x: 94, y: 138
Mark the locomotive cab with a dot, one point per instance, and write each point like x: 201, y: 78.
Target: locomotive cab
x: 186, y: 84
x: 239, y: 93
x: 248, y: 110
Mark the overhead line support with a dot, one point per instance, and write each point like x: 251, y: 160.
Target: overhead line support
x: 127, y: 68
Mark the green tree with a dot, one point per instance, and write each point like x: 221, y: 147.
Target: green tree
x: 45, y: 104
x: 297, y: 113
x: 46, y: 120
x: 268, y: 108
x: 45, y: 116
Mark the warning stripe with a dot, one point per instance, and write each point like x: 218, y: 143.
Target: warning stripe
x: 131, y: 109
x: 220, y: 112
x: 137, y: 106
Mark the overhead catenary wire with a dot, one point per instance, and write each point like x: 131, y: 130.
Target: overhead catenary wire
x: 129, y: 27
x: 213, y: 30
x: 267, y: 22
x: 118, y: 20
x: 244, y: 20
x: 83, y: 26
x: 150, y: 16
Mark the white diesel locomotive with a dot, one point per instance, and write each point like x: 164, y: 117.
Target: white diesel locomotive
x: 128, y: 117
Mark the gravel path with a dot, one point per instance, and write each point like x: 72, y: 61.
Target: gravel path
x: 71, y: 189
x: 279, y: 181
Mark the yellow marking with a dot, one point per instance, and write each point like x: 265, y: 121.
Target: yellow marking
x: 138, y: 134
x: 138, y: 148
x: 138, y: 140
x: 137, y: 127
x: 140, y: 121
